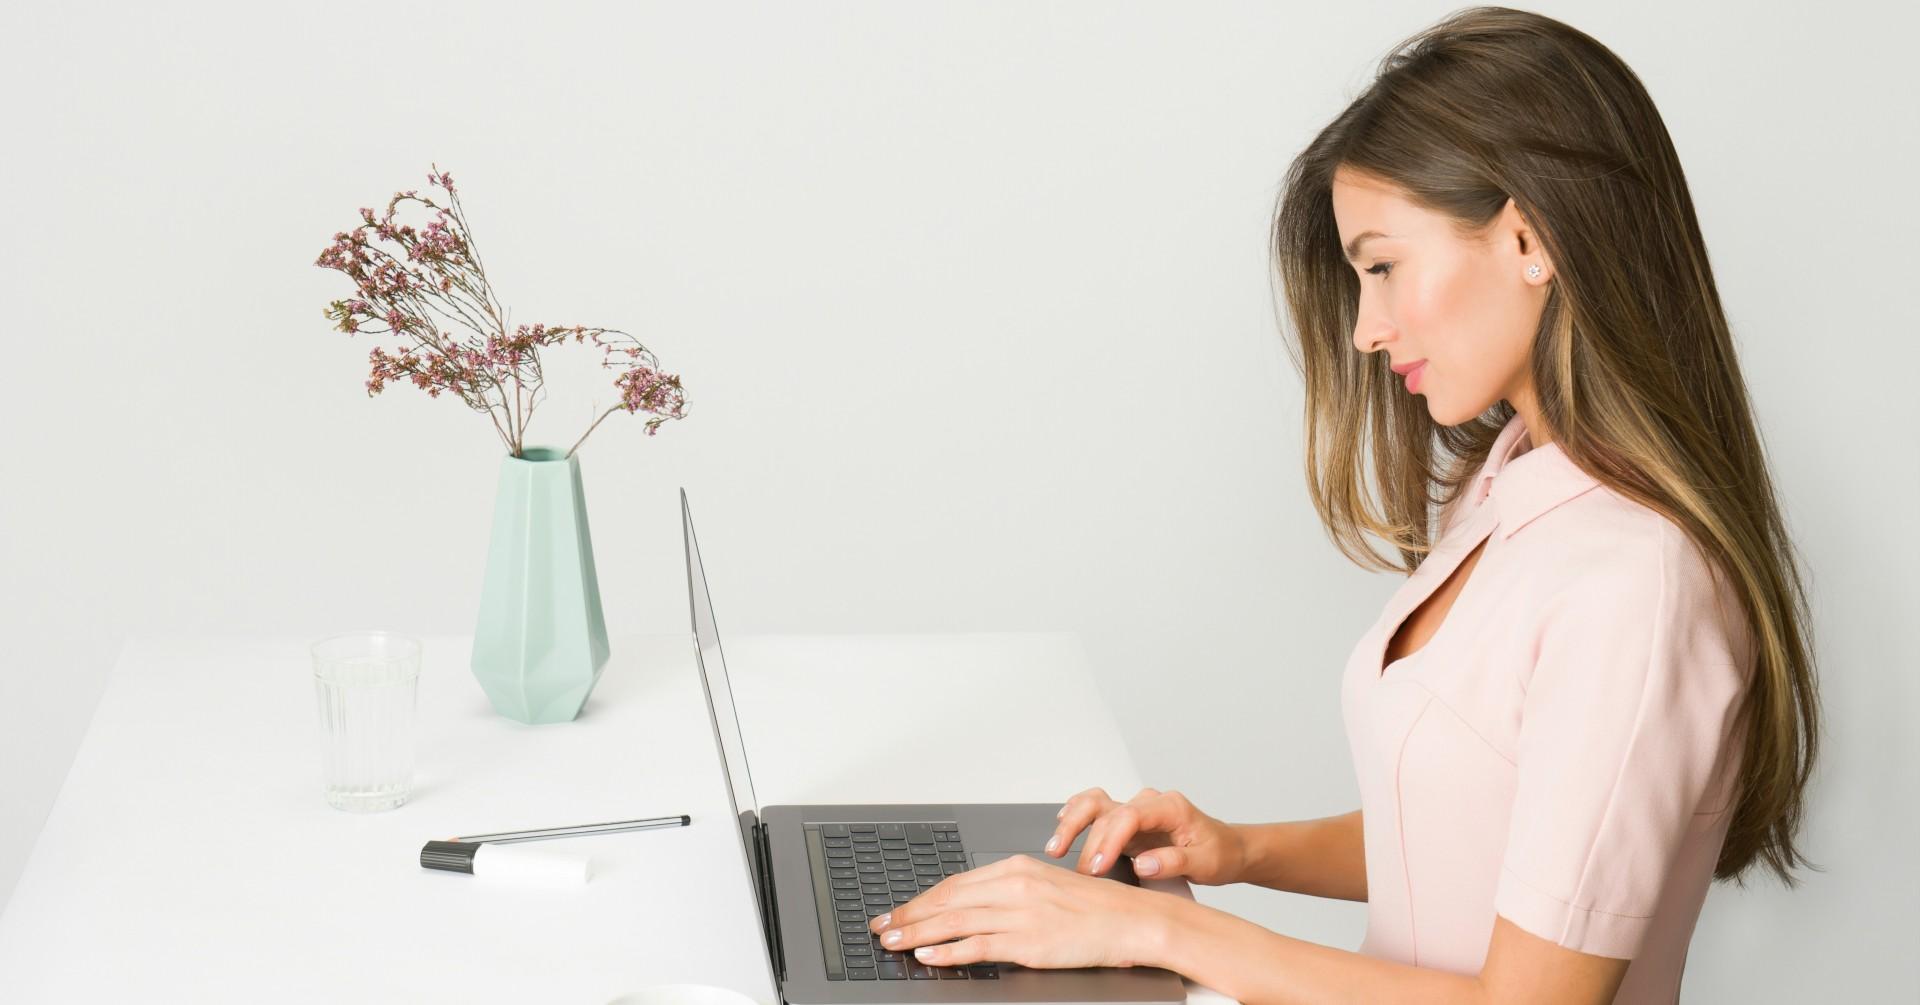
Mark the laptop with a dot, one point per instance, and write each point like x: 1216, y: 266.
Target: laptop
x: 821, y: 872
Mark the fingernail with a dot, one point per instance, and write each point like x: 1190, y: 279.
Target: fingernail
x: 1052, y: 843
x: 1146, y: 866
x: 881, y: 921
x: 927, y: 952
x: 1062, y: 813
x: 1097, y: 860
x: 893, y: 937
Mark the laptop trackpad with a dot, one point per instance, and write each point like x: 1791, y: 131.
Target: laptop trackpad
x: 1122, y: 869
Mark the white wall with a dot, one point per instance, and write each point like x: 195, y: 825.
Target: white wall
x: 972, y: 309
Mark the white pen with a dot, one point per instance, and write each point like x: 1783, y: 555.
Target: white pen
x: 480, y: 854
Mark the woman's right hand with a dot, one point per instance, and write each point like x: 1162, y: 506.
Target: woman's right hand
x: 1163, y: 832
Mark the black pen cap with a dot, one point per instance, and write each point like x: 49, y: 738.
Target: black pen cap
x: 452, y: 856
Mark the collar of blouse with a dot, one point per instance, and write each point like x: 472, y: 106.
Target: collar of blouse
x: 1525, y: 486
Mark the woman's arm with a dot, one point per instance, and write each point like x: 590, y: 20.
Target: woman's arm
x: 1320, y: 858
x: 1019, y: 910
x: 1257, y: 967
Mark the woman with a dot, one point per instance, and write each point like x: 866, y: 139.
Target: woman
x: 1595, y: 692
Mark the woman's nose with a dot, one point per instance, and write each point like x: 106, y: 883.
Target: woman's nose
x: 1368, y: 335
x: 1370, y: 328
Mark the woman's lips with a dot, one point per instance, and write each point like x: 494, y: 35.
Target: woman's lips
x: 1413, y: 375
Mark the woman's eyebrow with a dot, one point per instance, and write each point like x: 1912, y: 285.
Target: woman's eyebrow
x: 1353, y: 246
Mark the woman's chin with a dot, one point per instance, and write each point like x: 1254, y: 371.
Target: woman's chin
x: 1446, y: 412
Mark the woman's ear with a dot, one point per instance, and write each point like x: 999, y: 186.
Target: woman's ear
x: 1518, y: 237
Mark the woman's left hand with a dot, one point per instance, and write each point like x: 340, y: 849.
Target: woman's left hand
x: 1021, y: 910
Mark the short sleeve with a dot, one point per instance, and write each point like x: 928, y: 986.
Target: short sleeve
x: 1628, y: 714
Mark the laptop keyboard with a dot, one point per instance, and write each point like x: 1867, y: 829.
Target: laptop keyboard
x: 862, y: 871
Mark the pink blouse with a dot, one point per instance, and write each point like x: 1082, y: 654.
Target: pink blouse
x: 1563, y: 751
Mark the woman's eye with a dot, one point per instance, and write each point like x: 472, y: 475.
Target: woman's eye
x: 1381, y: 269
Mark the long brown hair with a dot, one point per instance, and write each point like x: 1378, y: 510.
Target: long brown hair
x: 1633, y: 362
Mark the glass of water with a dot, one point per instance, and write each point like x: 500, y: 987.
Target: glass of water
x: 368, y: 684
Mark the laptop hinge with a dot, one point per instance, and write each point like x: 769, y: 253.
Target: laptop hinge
x: 770, y: 903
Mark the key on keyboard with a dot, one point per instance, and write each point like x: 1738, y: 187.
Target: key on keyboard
x: 864, y: 870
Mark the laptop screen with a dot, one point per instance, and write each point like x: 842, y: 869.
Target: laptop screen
x: 726, y: 728
x: 713, y: 667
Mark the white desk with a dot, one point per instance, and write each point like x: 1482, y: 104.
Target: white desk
x: 191, y: 855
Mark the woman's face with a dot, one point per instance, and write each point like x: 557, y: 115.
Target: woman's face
x: 1465, y: 310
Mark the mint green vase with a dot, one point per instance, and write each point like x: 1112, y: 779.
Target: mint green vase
x: 542, y: 640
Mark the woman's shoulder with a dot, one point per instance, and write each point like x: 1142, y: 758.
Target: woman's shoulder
x: 1610, y: 562
x: 1602, y: 539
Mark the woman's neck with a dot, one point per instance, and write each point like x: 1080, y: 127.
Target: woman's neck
x: 1529, y: 410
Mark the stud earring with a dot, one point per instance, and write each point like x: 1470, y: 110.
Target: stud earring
x: 1533, y: 272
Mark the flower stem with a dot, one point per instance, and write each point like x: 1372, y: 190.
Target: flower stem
x: 590, y: 429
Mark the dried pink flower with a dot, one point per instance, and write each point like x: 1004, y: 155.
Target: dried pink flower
x: 438, y: 273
